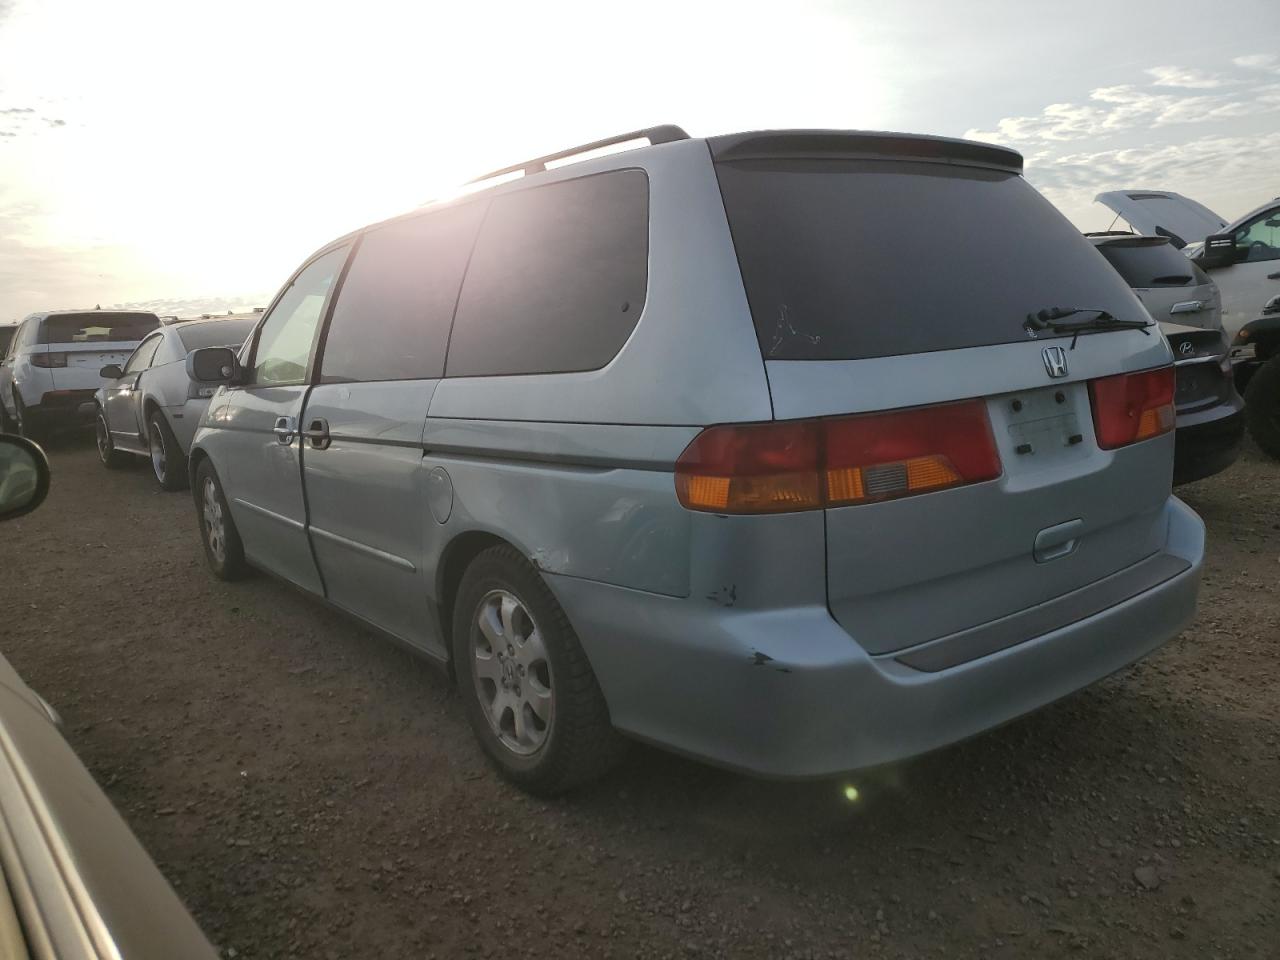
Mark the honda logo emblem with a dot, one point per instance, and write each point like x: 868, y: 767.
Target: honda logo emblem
x: 1055, y: 361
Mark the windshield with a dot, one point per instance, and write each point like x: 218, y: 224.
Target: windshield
x: 97, y: 327
x: 215, y: 333
x: 848, y: 259
x: 1144, y: 263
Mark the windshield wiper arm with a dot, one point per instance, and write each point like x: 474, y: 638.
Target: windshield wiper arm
x: 1051, y: 318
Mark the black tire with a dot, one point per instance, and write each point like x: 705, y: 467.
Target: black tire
x: 26, y: 423
x: 168, y: 462
x: 227, y: 563
x: 578, y: 741
x: 1262, y: 407
x: 111, y: 458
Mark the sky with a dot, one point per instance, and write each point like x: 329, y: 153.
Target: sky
x: 187, y: 156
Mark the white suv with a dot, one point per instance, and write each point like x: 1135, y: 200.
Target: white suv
x: 50, y: 371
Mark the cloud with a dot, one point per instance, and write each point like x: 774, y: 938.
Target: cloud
x: 1127, y: 107
x: 1187, y: 77
x: 1156, y: 164
x: 19, y: 121
x: 1258, y: 61
x: 196, y: 306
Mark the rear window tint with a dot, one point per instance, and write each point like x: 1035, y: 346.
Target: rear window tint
x: 851, y: 259
x: 557, y: 280
x: 97, y: 327
x: 391, y: 321
x: 215, y: 333
x: 1143, y: 264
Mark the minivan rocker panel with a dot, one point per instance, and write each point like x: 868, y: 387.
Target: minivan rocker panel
x: 802, y: 517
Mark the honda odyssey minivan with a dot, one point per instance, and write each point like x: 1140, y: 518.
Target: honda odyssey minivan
x: 689, y: 443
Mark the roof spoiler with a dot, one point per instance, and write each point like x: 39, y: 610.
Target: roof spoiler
x: 666, y: 133
x: 861, y: 145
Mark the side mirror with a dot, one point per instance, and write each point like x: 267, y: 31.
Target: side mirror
x: 111, y: 371
x: 24, y: 476
x: 213, y: 365
x: 1219, y: 251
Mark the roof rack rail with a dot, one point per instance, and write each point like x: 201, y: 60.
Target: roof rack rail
x: 666, y: 133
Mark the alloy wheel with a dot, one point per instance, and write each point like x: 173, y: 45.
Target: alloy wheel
x: 512, y: 673
x: 214, y: 522
x: 103, y: 438
x: 159, y: 460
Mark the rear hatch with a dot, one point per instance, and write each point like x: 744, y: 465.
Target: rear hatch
x: 1169, y: 285
x: 81, y: 344
x: 1163, y: 213
x: 1202, y: 367
x: 888, y: 272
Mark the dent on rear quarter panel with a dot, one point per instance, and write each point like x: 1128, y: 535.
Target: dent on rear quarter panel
x: 595, y: 501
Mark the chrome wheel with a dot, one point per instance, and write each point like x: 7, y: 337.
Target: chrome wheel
x: 155, y: 440
x: 104, y: 438
x: 512, y: 674
x: 215, y: 528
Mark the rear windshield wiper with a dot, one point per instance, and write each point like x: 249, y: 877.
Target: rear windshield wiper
x: 1051, y: 318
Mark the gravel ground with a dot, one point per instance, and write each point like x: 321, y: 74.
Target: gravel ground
x: 313, y: 791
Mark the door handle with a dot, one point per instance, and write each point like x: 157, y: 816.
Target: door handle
x: 286, y: 429
x: 317, y: 434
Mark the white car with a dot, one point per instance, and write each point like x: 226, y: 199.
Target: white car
x: 1243, y: 257
x: 150, y: 407
x: 50, y: 371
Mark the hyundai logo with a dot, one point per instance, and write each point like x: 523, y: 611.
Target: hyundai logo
x: 1186, y: 347
x: 1055, y: 361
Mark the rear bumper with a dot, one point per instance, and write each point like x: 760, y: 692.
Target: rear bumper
x: 64, y: 406
x: 1208, y: 445
x: 788, y: 693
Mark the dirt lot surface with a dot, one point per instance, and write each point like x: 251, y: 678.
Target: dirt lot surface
x: 314, y: 791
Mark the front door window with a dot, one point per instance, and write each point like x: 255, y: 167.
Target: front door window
x: 287, y: 335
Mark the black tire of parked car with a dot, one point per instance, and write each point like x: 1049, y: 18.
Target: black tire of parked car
x: 27, y: 425
x: 231, y: 565
x: 171, y: 471
x: 7, y: 424
x: 581, y: 744
x: 1262, y: 407
x: 111, y: 458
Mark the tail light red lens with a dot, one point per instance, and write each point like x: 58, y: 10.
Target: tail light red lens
x: 1132, y: 406
x: 837, y: 461
x: 48, y: 360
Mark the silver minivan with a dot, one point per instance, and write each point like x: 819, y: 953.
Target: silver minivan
x: 703, y: 443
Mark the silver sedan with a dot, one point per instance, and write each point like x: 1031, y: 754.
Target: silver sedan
x: 151, y: 408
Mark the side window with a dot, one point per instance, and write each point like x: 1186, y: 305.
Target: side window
x: 25, y: 335
x: 1259, y: 240
x: 142, y: 357
x: 391, y: 321
x: 286, y: 335
x: 557, y: 280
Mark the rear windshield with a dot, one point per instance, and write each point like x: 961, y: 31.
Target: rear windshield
x: 97, y: 327
x: 1144, y: 264
x: 215, y: 333
x: 849, y: 259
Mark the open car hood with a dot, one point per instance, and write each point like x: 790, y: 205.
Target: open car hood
x: 1162, y: 213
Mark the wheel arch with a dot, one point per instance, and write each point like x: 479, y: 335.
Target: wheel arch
x: 457, y: 555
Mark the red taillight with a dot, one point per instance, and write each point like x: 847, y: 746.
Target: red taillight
x: 1132, y: 406
x: 812, y: 464
x: 48, y: 360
